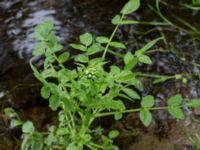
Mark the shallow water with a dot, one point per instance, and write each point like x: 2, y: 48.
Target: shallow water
x: 19, y: 89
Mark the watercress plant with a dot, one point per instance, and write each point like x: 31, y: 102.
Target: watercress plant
x: 93, y: 88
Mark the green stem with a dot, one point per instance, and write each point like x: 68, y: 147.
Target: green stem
x: 158, y: 12
x: 127, y: 22
x: 129, y: 111
x: 116, y: 54
x: 111, y: 37
x: 157, y: 76
x: 190, y: 6
x: 85, y: 124
x: 96, y: 145
x: 156, y: 50
x: 61, y: 65
x: 72, y: 119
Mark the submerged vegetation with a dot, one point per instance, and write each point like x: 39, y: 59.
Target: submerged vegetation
x: 95, y: 86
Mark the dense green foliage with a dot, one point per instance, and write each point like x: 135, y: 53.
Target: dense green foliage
x: 93, y: 88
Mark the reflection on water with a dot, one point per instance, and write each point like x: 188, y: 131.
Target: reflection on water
x: 2, y: 94
x: 71, y: 19
x: 21, y: 26
x: 24, y: 43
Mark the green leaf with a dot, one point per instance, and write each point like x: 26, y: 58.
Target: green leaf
x: 95, y: 61
x: 176, y: 112
x: 193, y: 103
x: 48, y: 25
x: 63, y: 57
x: 10, y: 112
x: 72, y: 146
x: 196, y: 2
x: 130, y: 61
x: 147, y: 101
x: 45, y: 92
x: 48, y: 61
x: 118, y: 45
x: 27, y: 141
x: 125, y: 96
x: 137, y: 84
x: 38, y: 144
x: 113, y: 134
x: 125, y: 76
x: 53, y: 88
x: 116, y: 104
x: 50, y: 72
x: 130, y: 6
x: 128, y: 57
x: 28, y: 127
x: 114, y: 70
x: 67, y: 103
x: 51, y: 39
x: 43, y: 30
x: 145, y: 117
x: 56, y: 47
x: 54, y: 102
x: 78, y: 47
x: 175, y: 100
x: 50, y: 139
x: 145, y: 59
x: 118, y: 115
x: 62, y: 131
x: 39, y: 49
x: 131, y: 64
x: 162, y: 79
x: 131, y: 93
x: 82, y: 58
x: 38, y: 33
x: 102, y: 39
x: 94, y: 48
x: 14, y: 123
x: 86, y: 39
x: 116, y: 20
x: 37, y: 74
x: 147, y: 46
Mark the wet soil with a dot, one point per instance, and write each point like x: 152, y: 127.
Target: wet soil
x: 20, y: 90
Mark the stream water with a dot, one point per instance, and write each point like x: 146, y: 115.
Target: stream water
x: 20, y: 90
